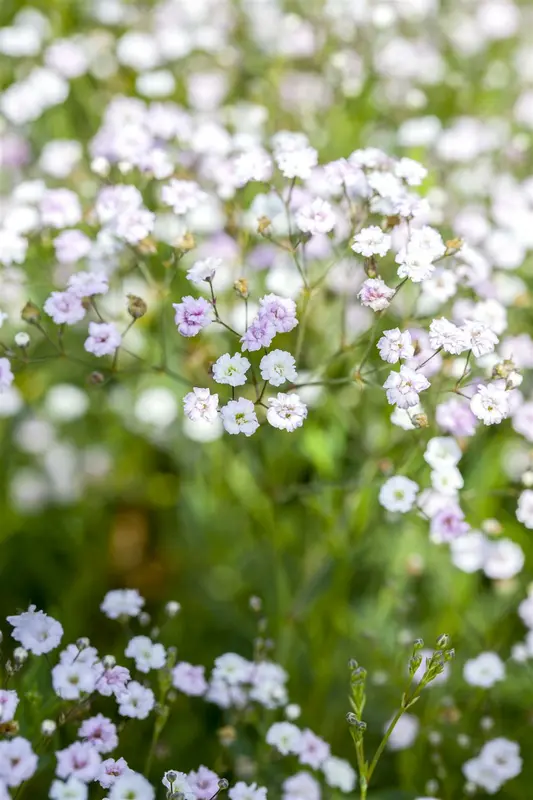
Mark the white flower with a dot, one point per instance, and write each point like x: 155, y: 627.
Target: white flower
x: 204, y: 270
x: 414, y: 264
x: 103, y: 339
x: 231, y: 369
x: 410, y: 171
x: 132, y: 786
x: 504, y: 559
x: 277, y: 367
x: 13, y: 247
x: 284, y: 736
x: 297, y: 163
x: 6, y: 374
x: 375, y: 294
x: 524, y: 511
x: 444, y: 334
x: 482, y: 774
x: 36, y: 631
x: 122, y: 603
x: 394, y: 345
x: 201, y: 404
x: 468, y: 551
x: 316, y: 217
x: 238, y: 416
x: 371, y: 241
x: 243, y: 791
x: 504, y: 756
x: 479, y: 338
x: 183, y: 196
x: 176, y: 782
x: 447, y: 481
x: 136, y: 701
x: 70, y: 681
x: 339, y: 774
x: 485, y: 670
x: 8, y: 704
x: 404, y: 386
x: 147, y: 654
x: 73, y: 789
x: 442, y: 452
x: 301, y: 786
x: 398, y: 494
x: 286, y: 411
x: 253, y: 165
x: 490, y: 404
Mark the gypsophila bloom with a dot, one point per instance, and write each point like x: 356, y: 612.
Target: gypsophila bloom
x: 448, y: 523
x: 135, y: 701
x: 279, y: 311
x: 286, y: 411
x: 442, y: 452
x: 112, y: 681
x: 100, y: 732
x: 284, y: 736
x: 259, y: 334
x: 70, y: 681
x: 394, y: 345
x: 404, y: 386
x: 81, y: 760
x: 73, y: 789
x: 479, y: 338
x: 238, y: 416
x: 371, y: 241
x: 316, y: 217
x: 485, y: 670
x: 277, y: 367
x: 490, y: 404
x: 204, y: 783
x: 204, y: 270
x: 133, y: 786
x: 147, y: 654
x: 122, y: 603
x: 36, y: 631
x: 339, y: 774
x: 87, y: 284
x: 231, y: 370
x: 110, y: 770
x: 71, y: 245
x: 398, y: 494
x: 103, y: 339
x: 189, y: 679
x: 13, y: 247
x: 444, y: 334
x: 524, y: 511
x: 311, y: 749
x: 183, y: 196
x: 8, y: 704
x: 243, y: 791
x: 6, y: 375
x: 375, y: 294
x: 65, y: 308
x: 18, y: 762
x: 191, y: 315
x: 301, y: 786
x: 178, y: 782
x: 60, y: 208
x: 200, y: 404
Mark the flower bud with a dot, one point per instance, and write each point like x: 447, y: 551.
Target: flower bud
x: 514, y: 379
x: 186, y: 242
x: 96, y: 378
x: 100, y: 166
x: 292, y: 711
x: 370, y: 267
x: 421, y: 420
x: 30, y: 313
x: 137, y: 308
x: 264, y: 226
x: 227, y: 735
x: 48, y: 727
x: 22, y: 339
x: 172, y: 608
x: 351, y: 719
x: 443, y: 641
x: 241, y: 287
x: 418, y: 644
x: 144, y: 619
x: 449, y: 655
x: 20, y: 655
x: 527, y: 478
x: 256, y: 604
x: 82, y: 643
x: 109, y: 662
x: 223, y: 784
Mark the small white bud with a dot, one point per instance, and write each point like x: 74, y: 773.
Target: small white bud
x: 514, y: 379
x: 48, y: 727
x: 82, y: 643
x: 100, y: 166
x: 292, y: 711
x: 22, y: 339
x: 20, y: 655
x: 125, y: 167
x: 172, y: 608
x: 527, y: 478
x: 109, y: 662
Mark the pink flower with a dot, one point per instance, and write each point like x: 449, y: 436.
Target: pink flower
x: 455, y: 417
x: 110, y: 770
x: 100, y: 732
x: 280, y: 311
x: 8, y: 704
x: 71, y: 245
x: 448, y: 524
x: 189, y: 679
x: 204, y: 783
x: 192, y: 314
x: 65, y: 308
x: 81, y: 760
x: 375, y: 294
x: 103, y: 339
x: 113, y: 681
x: 259, y: 334
x: 18, y: 762
x: 312, y: 749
